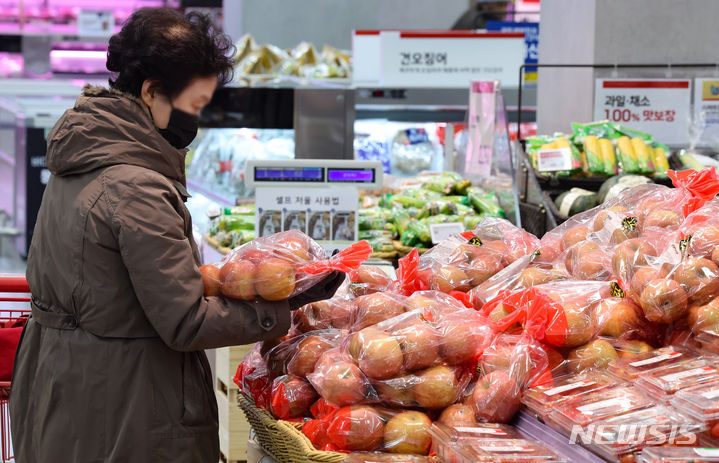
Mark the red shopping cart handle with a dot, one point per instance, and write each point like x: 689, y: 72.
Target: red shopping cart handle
x: 13, y: 284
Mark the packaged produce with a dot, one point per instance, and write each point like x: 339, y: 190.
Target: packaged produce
x: 447, y: 439
x: 631, y: 368
x: 615, y: 185
x: 462, y: 262
x: 253, y: 377
x: 411, y: 151
x: 664, y: 382
x: 339, y: 380
x: 508, y: 367
x: 679, y: 455
x: 627, y: 433
x: 701, y: 403
x: 292, y: 397
x: 598, y: 406
x: 278, y: 266
x: 542, y: 399
x: 505, y: 451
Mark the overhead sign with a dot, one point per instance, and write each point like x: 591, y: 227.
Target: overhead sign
x: 706, y: 110
x: 660, y: 107
x: 531, y: 41
x: 442, y: 59
x: 327, y: 214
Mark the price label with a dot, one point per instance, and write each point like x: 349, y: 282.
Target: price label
x: 569, y: 387
x: 490, y: 431
x: 554, y: 159
x: 441, y: 231
x: 657, y: 359
x: 707, y: 452
x: 506, y: 448
x: 95, y: 23
x: 713, y: 394
x: 659, y: 107
x: 687, y: 374
x: 590, y: 409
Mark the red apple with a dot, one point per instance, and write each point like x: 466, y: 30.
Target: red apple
x: 630, y: 255
x: 661, y: 218
x: 210, y: 279
x: 450, y: 278
x: 358, y: 428
x: 458, y: 415
x: 482, y: 268
x: 342, y: 383
x: 596, y: 355
x: 436, y: 388
x: 573, y: 236
x: 705, y: 316
x: 496, y: 398
x: 291, y: 397
x: 622, y: 317
x: 375, y: 308
x: 408, y: 433
x: 419, y: 343
x: 237, y: 279
x: 664, y: 301
x: 379, y: 354
x: 703, y: 241
x: 700, y: 279
x: 275, y: 279
x: 309, y: 351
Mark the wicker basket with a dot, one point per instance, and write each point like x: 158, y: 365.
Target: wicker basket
x: 283, y: 440
x: 404, y: 250
x: 384, y: 255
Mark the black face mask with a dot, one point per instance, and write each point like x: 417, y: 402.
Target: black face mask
x: 181, y: 128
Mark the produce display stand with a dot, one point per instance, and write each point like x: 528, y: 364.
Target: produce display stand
x: 538, y: 212
x: 9, y: 284
x: 282, y: 440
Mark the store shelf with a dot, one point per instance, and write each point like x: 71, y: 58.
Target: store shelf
x: 532, y: 428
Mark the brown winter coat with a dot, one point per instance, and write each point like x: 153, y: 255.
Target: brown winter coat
x: 111, y: 366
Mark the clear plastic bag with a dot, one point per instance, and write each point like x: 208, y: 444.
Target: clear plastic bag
x: 278, y: 266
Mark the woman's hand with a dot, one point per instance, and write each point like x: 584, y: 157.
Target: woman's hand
x: 322, y: 290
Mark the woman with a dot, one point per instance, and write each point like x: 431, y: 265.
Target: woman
x: 110, y: 367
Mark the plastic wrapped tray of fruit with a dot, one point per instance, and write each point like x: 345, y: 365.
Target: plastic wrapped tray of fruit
x: 662, y: 383
x: 679, y: 455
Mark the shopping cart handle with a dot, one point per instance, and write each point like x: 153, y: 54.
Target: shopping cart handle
x: 13, y: 284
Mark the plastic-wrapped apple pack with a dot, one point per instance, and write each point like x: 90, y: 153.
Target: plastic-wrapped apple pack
x: 563, y: 314
x: 464, y: 261
x: 292, y: 397
x: 253, y: 377
x: 508, y: 367
x: 278, y: 266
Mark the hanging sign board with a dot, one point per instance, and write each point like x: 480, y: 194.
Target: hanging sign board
x: 659, y: 107
x: 440, y: 59
x: 95, y: 23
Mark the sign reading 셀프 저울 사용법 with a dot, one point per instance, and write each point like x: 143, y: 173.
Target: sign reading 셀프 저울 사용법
x: 660, y: 107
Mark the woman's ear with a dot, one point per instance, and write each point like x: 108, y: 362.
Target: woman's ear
x: 148, y: 93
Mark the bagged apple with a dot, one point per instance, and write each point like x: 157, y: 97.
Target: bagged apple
x: 464, y: 261
x: 291, y: 398
x: 340, y: 381
x: 253, y: 377
x: 563, y: 314
x: 331, y: 313
x: 278, y: 266
x: 434, y: 388
x: 356, y: 428
x: 508, y: 367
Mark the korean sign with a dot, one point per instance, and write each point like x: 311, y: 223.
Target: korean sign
x: 444, y: 59
x: 325, y: 214
x: 659, y: 107
x: 706, y: 109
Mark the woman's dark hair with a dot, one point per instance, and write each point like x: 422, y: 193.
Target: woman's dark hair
x: 162, y: 45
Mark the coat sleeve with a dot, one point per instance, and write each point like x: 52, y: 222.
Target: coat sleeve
x: 160, y: 263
